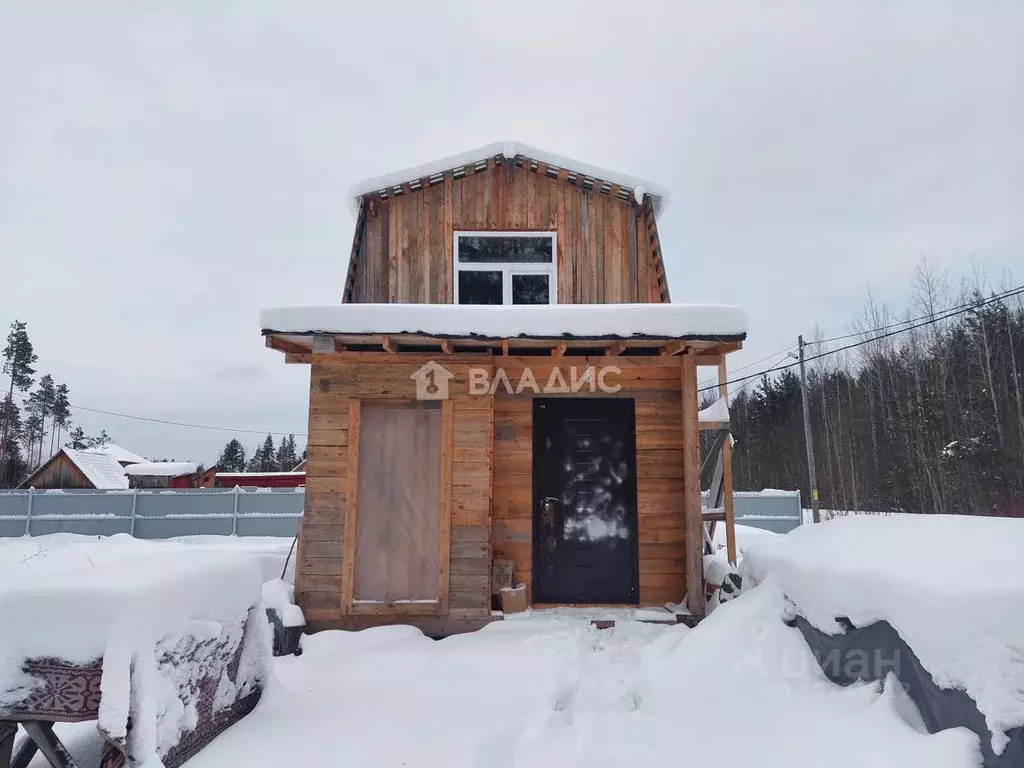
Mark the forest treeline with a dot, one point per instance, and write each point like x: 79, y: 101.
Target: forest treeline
x: 926, y: 420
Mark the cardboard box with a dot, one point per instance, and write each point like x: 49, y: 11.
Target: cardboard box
x: 513, y: 599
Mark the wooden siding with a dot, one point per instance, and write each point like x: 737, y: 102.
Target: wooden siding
x: 656, y: 389
x: 337, y: 384
x: 490, y: 510
x: 60, y: 472
x: 608, y: 250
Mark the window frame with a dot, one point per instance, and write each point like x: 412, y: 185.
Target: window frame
x: 507, y: 268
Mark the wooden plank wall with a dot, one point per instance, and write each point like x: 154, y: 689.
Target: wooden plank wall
x: 605, y: 245
x: 337, y: 381
x: 61, y: 472
x: 656, y: 388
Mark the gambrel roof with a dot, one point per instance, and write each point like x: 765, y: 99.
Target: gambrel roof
x: 581, y: 173
x: 648, y: 197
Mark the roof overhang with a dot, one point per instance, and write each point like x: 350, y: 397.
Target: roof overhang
x: 587, y: 329
x: 513, y: 151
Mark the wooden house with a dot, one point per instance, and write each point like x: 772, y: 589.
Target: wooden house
x: 504, y: 378
x: 90, y: 469
x: 163, y: 474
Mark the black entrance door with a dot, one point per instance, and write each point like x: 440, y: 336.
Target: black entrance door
x: 584, y: 497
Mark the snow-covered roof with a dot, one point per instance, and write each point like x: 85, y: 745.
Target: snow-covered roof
x: 161, y: 469
x: 101, y: 469
x: 582, y: 321
x: 117, y: 453
x: 716, y: 413
x: 509, y: 150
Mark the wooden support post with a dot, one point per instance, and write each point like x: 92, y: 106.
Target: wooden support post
x: 730, y: 518
x: 693, y: 521
x: 559, y: 349
x: 444, y: 539
x: 615, y: 349
x: 53, y: 750
x: 446, y: 346
x: 388, y: 345
x: 348, y: 556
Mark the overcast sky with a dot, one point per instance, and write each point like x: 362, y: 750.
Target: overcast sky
x: 169, y: 169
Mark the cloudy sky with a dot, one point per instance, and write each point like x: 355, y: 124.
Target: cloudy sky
x: 168, y: 169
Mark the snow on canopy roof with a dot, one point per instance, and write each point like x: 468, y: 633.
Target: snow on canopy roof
x: 583, y: 321
x: 101, y: 469
x: 717, y: 412
x: 161, y: 468
x: 117, y: 453
x: 509, y: 150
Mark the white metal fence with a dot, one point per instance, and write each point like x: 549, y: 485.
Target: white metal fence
x: 153, y: 513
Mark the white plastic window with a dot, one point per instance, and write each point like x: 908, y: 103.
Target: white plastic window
x: 505, y: 268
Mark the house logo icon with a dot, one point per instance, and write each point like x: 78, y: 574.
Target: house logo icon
x: 432, y: 381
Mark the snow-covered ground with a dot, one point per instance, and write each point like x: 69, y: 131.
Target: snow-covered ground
x: 552, y: 690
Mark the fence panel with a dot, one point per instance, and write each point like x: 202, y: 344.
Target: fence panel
x: 777, y: 511
x: 153, y: 513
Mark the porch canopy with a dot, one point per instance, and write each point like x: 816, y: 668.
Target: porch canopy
x: 711, y: 330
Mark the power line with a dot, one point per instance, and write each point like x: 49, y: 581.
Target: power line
x: 962, y: 310
x: 1009, y: 293
x: 782, y: 352
x: 170, y: 422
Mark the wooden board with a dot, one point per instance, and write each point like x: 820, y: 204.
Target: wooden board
x: 691, y: 485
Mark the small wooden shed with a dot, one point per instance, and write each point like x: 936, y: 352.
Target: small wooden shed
x: 163, y: 474
x: 504, y: 378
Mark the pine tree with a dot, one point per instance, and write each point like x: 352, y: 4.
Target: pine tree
x: 48, y: 396
x: 40, y: 406
x: 77, y: 440
x: 18, y: 358
x: 268, y: 462
x: 14, y: 470
x: 61, y: 412
x: 98, y: 442
x: 31, y: 431
x: 286, y: 457
x: 232, y: 458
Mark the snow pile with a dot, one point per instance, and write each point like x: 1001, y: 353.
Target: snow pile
x: 717, y: 412
x: 279, y: 596
x: 587, y: 321
x: 953, y: 587
x: 161, y: 469
x: 747, y: 537
x: 160, y: 617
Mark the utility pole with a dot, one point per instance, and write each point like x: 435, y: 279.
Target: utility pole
x: 807, y: 435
